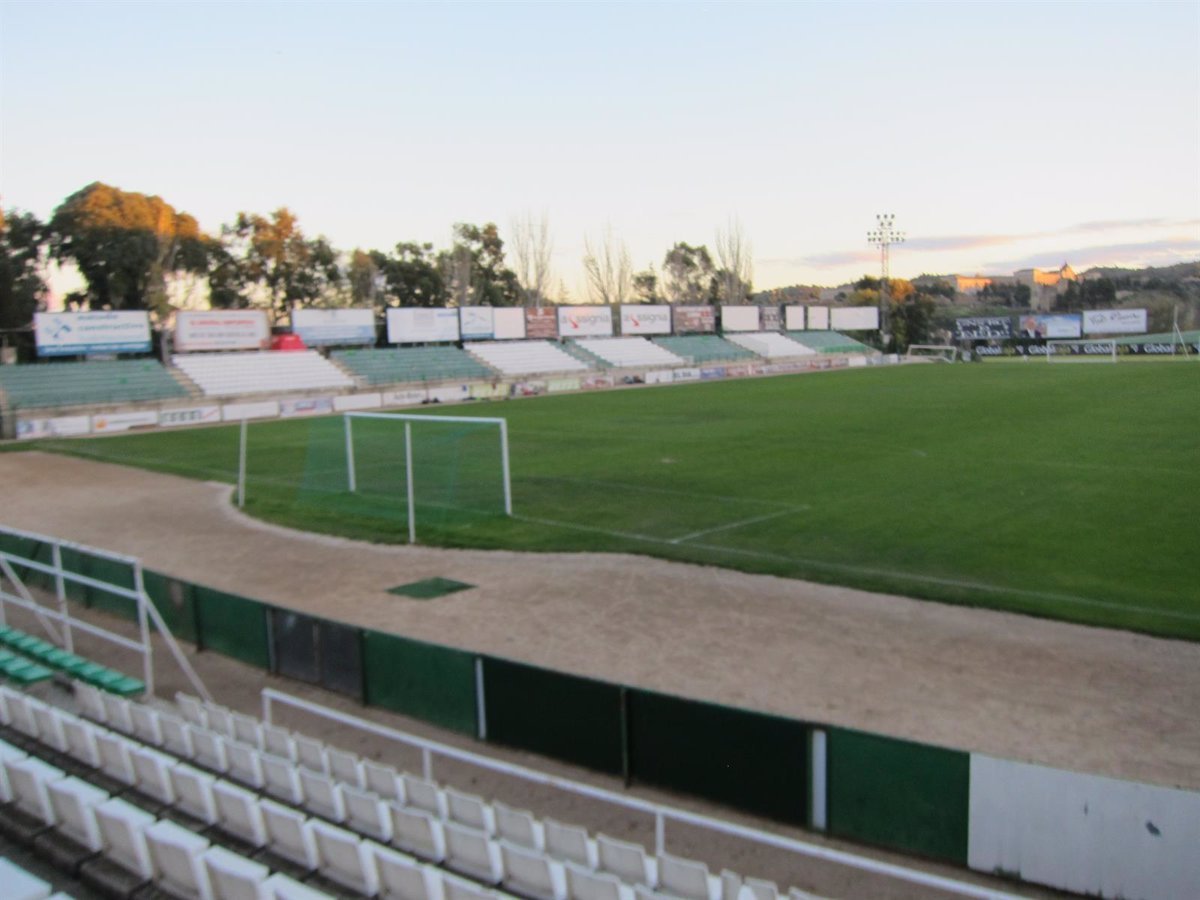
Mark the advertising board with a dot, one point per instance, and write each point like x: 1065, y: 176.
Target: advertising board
x: 229, y: 329
x: 541, y: 323
x: 77, y: 334
x: 693, y: 319
x: 983, y: 328
x: 793, y: 318
x: 585, y: 321
x: 1041, y: 327
x: 854, y: 318
x: 475, y: 323
x: 508, y: 323
x: 334, y: 327
x: 418, y: 325
x: 739, y: 318
x: 645, y: 319
x: 1114, y: 321
x: 818, y: 318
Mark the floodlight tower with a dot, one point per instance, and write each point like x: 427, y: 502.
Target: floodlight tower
x: 883, y: 236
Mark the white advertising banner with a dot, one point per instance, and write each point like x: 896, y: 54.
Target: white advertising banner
x: 58, y: 426
x: 1114, y: 321
x: 793, y: 318
x: 645, y: 319
x: 854, y: 318
x: 477, y: 323
x: 417, y: 325
x: 103, y: 423
x: 347, y: 402
x: 261, y: 409
x: 585, y: 321
x: 76, y: 334
x: 230, y: 329
x: 306, y: 406
x: 508, y: 323
x: 190, y: 415
x: 818, y: 318
x: 739, y: 318
x: 341, y: 327
x: 1063, y: 325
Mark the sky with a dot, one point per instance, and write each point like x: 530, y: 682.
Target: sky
x: 1000, y: 135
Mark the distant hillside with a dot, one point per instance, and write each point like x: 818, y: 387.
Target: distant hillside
x: 1165, y: 274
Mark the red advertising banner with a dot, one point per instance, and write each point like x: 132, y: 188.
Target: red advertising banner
x: 541, y: 323
x: 694, y: 319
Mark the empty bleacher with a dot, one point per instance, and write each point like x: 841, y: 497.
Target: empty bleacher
x: 829, y: 342
x: 698, y: 349
x: 409, y: 364
x: 629, y: 352
x: 526, y: 357
x: 85, y: 383
x: 770, y: 344
x: 232, y: 374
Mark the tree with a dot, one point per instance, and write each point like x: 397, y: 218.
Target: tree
x: 287, y: 267
x: 365, y: 279
x: 687, y: 274
x: 736, y: 270
x: 532, y: 247
x: 125, y: 245
x: 608, y: 271
x: 645, y: 286
x: 412, y: 276
x: 473, y: 268
x: 22, y: 289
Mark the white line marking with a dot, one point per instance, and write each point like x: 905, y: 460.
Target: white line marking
x: 732, y: 525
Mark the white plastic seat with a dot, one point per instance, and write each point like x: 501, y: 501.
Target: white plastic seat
x: 731, y: 884
x: 417, y: 832
x: 20, y: 714
x: 20, y: 884
x: 278, y: 742
x: 247, y: 730
x: 191, y: 709
x: 383, y: 780
x: 80, y: 736
x: 289, y: 834
x: 176, y: 736
x: 220, y: 719
x: 532, y: 874
x: 584, y: 884
x: 245, y: 764
x: 118, y: 713
x: 472, y: 853
x: 569, y: 843
x: 518, y: 826
x: 146, y: 727
x: 402, y: 877
x: 238, y: 813
x: 758, y: 889
x: 152, y: 773
x: 423, y: 795
x: 344, y: 767
x: 322, y: 796
x: 345, y: 858
x: 233, y: 877
x: 281, y: 779
x: 29, y: 779
x: 366, y: 814
x: 73, y: 803
x: 91, y: 700
x: 469, y: 810
x: 194, y: 792
x: 281, y: 887
x: 208, y: 749
x: 454, y: 888
x: 626, y: 860
x: 122, y: 831
x: 8, y: 751
x: 687, y: 878
x: 115, y: 761
x: 310, y: 754
x: 49, y: 722
x: 175, y: 853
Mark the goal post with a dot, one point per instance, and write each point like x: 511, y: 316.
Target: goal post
x: 931, y: 352
x: 1089, y: 350
x: 363, y: 462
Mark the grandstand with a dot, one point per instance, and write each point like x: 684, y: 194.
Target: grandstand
x: 770, y: 344
x: 397, y: 366
x: 526, y: 357
x: 703, y: 348
x: 627, y: 352
x: 231, y: 374
x: 83, y: 383
x: 828, y: 342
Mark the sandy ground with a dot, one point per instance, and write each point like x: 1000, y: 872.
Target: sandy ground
x: 1063, y: 695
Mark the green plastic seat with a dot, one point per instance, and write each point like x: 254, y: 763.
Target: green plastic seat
x: 127, y: 686
x: 27, y: 643
x: 7, y: 656
x: 24, y: 671
x: 55, y: 657
x: 11, y: 635
x: 87, y: 671
x: 41, y: 651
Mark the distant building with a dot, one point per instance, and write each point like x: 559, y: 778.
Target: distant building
x: 1045, y: 284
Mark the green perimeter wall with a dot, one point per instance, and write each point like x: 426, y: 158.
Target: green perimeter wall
x: 891, y: 793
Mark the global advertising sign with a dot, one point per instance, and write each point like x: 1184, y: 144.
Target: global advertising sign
x: 1114, y: 321
x: 417, y: 325
x: 341, y: 327
x: 475, y: 323
x: 76, y: 334
x: 645, y: 319
x: 1051, y: 327
x: 983, y: 328
x: 693, y: 319
x: 230, y: 329
x: 585, y: 321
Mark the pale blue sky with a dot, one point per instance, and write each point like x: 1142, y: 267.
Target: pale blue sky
x: 1001, y: 135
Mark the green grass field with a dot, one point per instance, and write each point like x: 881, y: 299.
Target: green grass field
x: 1062, y: 491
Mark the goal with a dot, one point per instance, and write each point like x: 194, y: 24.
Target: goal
x: 1092, y: 350
x: 931, y: 353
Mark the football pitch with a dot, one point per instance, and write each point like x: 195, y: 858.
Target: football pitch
x: 1061, y: 491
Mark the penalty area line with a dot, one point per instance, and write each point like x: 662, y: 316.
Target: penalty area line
x: 732, y: 525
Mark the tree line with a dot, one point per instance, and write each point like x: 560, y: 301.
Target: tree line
x: 137, y: 252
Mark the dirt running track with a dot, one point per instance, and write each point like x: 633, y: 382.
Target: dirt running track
x: 1063, y: 695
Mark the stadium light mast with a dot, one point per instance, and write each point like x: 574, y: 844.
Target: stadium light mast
x: 883, y: 236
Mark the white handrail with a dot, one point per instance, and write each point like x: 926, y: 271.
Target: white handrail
x: 661, y: 812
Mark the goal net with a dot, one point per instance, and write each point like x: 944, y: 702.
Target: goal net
x: 1081, y: 351
x: 931, y: 353
x: 383, y: 471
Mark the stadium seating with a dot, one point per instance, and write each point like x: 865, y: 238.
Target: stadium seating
x: 628, y: 352
x: 526, y: 357
x: 85, y: 383
x: 409, y: 364
x: 770, y: 344
x: 697, y: 349
x: 233, y: 374
x: 828, y: 342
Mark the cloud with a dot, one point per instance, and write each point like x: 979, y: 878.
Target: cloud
x: 962, y: 242
x: 823, y: 260
x: 1142, y: 253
